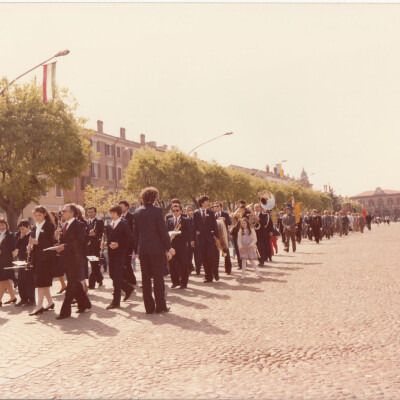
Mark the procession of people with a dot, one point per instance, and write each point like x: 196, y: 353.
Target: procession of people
x: 78, y: 244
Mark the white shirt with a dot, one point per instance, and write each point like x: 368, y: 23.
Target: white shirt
x: 115, y: 223
x: 2, y: 235
x: 38, y: 229
x: 69, y: 222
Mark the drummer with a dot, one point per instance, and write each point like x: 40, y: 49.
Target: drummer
x: 219, y: 213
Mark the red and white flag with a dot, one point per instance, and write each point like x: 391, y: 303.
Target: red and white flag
x: 49, y: 81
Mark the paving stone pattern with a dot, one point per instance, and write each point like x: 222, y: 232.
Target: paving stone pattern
x: 322, y: 323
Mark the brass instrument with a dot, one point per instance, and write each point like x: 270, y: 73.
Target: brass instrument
x: 94, y: 229
x: 236, y: 218
x: 176, y: 229
x: 102, y: 259
x: 222, y: 242
x: 29, y: 265
x: 253, y: 219
x: 267, y: 200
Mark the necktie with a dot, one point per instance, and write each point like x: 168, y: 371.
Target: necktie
x: 65, y: 228
x: 176, y: 222
x: 204, y: 216
x: 112, y: 226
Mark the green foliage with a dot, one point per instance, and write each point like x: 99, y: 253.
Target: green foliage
x: 176, y: 174
x: 41, y: 145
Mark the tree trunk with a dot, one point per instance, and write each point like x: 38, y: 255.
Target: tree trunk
x: 12, y: 219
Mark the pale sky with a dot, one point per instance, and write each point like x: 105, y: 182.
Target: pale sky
x: 315, y: 84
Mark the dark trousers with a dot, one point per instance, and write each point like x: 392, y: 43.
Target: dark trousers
x: 209, y: 255
x: 290, y: 236
x: 261, y: 245
x: 74, y: 291
x: 283, y: 236
x: 315, y: 230
x: 310, y: 233
x: 237, y: 251
x: 95, y: 274
x: 298, y: 235
x: 268, y: 247
x: 26, y: 285
x: 228, y: 262
x: 179, y: 270
x: 327, y: 232
x: 119, y: 283
x: 129, y: 275
x: 194, y: 251
x: 152, y: 266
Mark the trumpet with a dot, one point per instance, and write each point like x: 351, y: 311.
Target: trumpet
x: 236, y: 217
x: 267, y: 200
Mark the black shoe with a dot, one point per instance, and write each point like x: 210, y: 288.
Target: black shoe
x: 62, y: 290
x: 49, y: 308
x: 228, y: 273
x: 30, y: 303
x: 162, y: 311
x: 239, y: 267
x: 11, y: 301
x: 150, y: 312
x: 260, y: 264
x: 217, y: 279
x: 101, y: 284
x: 206, y: 281
x: 174, y: 286
x: 62, y: 316
x: 183, y: 287
x: 91, y: 287
x: 128, y: 294
x: 21, y: 303
x: 37, y: 312
x: 111, y: 306
x: 82, y: 310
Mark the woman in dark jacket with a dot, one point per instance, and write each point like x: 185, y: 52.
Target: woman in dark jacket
x: 7, y: 246
x: 42, y: 238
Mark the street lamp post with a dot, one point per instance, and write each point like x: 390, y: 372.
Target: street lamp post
x: 59, y: 54
x: 208, y: 141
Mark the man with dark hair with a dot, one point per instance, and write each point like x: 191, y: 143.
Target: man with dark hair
x: 151, y: 243
x: 73, y: 238
x: 289, y: 226
x: 178, y: 264
x: 26, y: 279
x: 94, y: 231
x: 220, y: 213
x: 192, y: 251
x: 205, y: 230
x: 129, y: 275
x: 119, y: 239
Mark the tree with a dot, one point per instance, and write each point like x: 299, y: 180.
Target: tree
x: 41, y: 146
x: 173, y: 173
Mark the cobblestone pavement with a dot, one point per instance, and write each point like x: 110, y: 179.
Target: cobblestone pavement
x: 322, y: 323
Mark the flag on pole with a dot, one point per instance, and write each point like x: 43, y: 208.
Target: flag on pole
x: 280, y: 170
x: 297, y: 211
x: 49, y: 81
x: 364, y: 212
x: 326, y: 188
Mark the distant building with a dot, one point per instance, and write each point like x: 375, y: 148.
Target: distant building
x: 380, y: 202
x: 114, y: 154
x: 273, y: 176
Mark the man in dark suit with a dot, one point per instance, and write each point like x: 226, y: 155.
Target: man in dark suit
x: 73, y: 239
x: 129, y: 275
x: 261, y: 234
x: 316, y: 224
x: 119, y: 239
x: 206, y: 230
x: 220, y: 213
x: 151, y: 243
x: 178, y: 265
x: 192, y: 251
x: 280, y: 226
x: 94, y: 231
x: 270, y: 231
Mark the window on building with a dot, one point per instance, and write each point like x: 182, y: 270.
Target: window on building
x: 110, y: 172
x: 58, y: 192
x: 95, y: 170
x: 44, y: 194
x: 108, y: 150
x: 390, y: 201
x: 118, y: 152
x: 398, y: 200
x: 119, y: 174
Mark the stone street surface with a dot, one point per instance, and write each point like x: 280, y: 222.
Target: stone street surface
x: 322, y: 323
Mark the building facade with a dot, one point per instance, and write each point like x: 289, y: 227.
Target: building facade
x: 274, y: 176
x: 107, y: 167
x: 380, y: 202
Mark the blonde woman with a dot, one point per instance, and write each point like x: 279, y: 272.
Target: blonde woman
x: 247, y: 244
